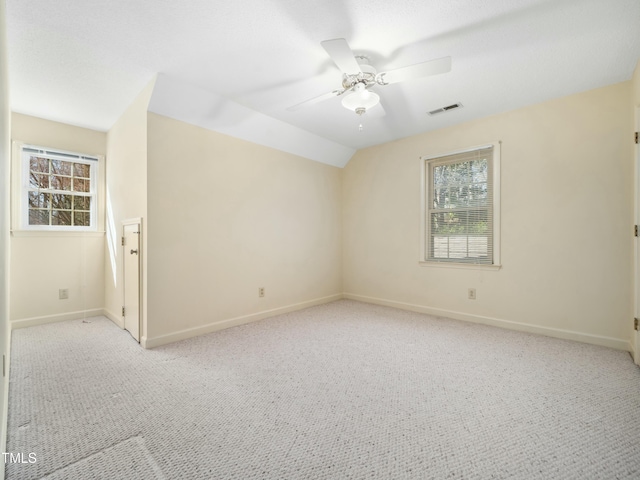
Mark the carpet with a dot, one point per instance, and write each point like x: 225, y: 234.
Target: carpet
x: 344, y: 390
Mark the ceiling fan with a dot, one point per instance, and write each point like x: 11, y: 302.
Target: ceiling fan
x: 358, y: 77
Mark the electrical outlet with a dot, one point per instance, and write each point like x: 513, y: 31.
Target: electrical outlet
x: 472, y: 294
x: 261, y: 292
x: 63, y: 293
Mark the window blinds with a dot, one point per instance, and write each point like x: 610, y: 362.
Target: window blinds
x: 460, y: 207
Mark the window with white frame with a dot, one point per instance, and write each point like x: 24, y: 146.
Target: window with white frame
x: 59, y: 190
x: 461, y: 207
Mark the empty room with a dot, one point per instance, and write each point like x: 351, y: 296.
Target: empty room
x: 314, y: 239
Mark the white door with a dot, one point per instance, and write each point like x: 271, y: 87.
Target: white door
x: 131, y: 275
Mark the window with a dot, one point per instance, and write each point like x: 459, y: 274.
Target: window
x: 461, y: 207
x: 58, y: 190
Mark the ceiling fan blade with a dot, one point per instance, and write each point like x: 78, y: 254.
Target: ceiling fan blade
x: 340, y: 52
x: 418, y: 70
x: 314, y: 100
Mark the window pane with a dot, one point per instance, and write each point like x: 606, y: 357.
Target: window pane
x: 38, y: 217
x: 81, y: 203
x: 478, y: 247
x: 82, y: 219
x: 81, y: 185
x: 452, y: 174
x: 478, y: 221
x: 479, y: 171
x: 437, y: 223
x: 458, y: 246
x: 61, y: 201
x: 60, y: 217
x: 37, y: 164
x: 439, y: 197
x: 38, y: 200
x: 60, y: 167
x: 38, y: 180
x: 478, y: 194
x: 457, y: 197
x: 439, y: 176
x: 448, y: 222
x: 60, y: 183
x: 81, y: 170
x: 440, y: 247
x: 453, y: 200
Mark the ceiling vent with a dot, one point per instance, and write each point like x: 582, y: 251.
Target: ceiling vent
x: 445, y: 109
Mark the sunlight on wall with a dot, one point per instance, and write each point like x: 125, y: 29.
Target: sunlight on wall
x: 111, y: 238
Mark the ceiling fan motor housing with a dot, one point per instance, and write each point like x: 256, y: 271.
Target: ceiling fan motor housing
x: 367, y: 77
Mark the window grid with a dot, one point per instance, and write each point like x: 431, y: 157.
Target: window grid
x: 59, y: 190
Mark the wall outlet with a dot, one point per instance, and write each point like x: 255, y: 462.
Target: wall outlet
x: 261, y: 292
x: 472, y: 294
x: 63, y: 293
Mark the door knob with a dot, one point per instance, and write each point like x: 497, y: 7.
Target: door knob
x: 134, y: 251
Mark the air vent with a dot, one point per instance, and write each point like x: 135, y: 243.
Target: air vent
x: 445, y: 109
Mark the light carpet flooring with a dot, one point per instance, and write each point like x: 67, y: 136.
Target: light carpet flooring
x: 339, y: 391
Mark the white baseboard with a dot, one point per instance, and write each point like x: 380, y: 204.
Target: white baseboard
x: 152, y: 342
x: 232, y: 322
x: 61, y: 317
x: 616, y: 343
x: 118, y: 320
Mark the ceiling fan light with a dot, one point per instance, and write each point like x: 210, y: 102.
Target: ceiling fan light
x: 360, y: 98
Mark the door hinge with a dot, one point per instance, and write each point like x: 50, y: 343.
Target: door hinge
x: 636, y: 137
x: 123, y: 311
x: 635, y: 230
x: 122, y: 241
x: 635, y: 324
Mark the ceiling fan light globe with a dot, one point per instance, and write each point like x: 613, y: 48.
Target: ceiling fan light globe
x: 360, y: 98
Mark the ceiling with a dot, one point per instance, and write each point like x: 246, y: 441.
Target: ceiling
x: 83, y: 62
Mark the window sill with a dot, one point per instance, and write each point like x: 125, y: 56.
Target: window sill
x: 465, y: 266
x: 55, y: 233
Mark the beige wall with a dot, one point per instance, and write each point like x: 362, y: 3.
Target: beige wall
x: 46, y: 133
x: 126, y: 196
x: 226, y: 217
x: 44, y: 262
x: 567, y: 201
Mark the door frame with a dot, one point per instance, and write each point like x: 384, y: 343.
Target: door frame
x: 636, y: 241
x: 125, y: 223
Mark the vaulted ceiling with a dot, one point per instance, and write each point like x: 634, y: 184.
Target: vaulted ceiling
x: 83, y: 62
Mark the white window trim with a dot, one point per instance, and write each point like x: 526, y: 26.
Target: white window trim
x: 19, y: 197
x: 424, y: 195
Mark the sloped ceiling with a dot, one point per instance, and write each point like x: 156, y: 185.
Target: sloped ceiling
x: 83, y: 62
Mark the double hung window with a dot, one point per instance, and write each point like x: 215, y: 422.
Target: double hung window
x: 461, y: 199
x: 59, y: 190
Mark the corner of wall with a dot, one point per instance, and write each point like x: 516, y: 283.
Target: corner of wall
x: 126, y: 194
